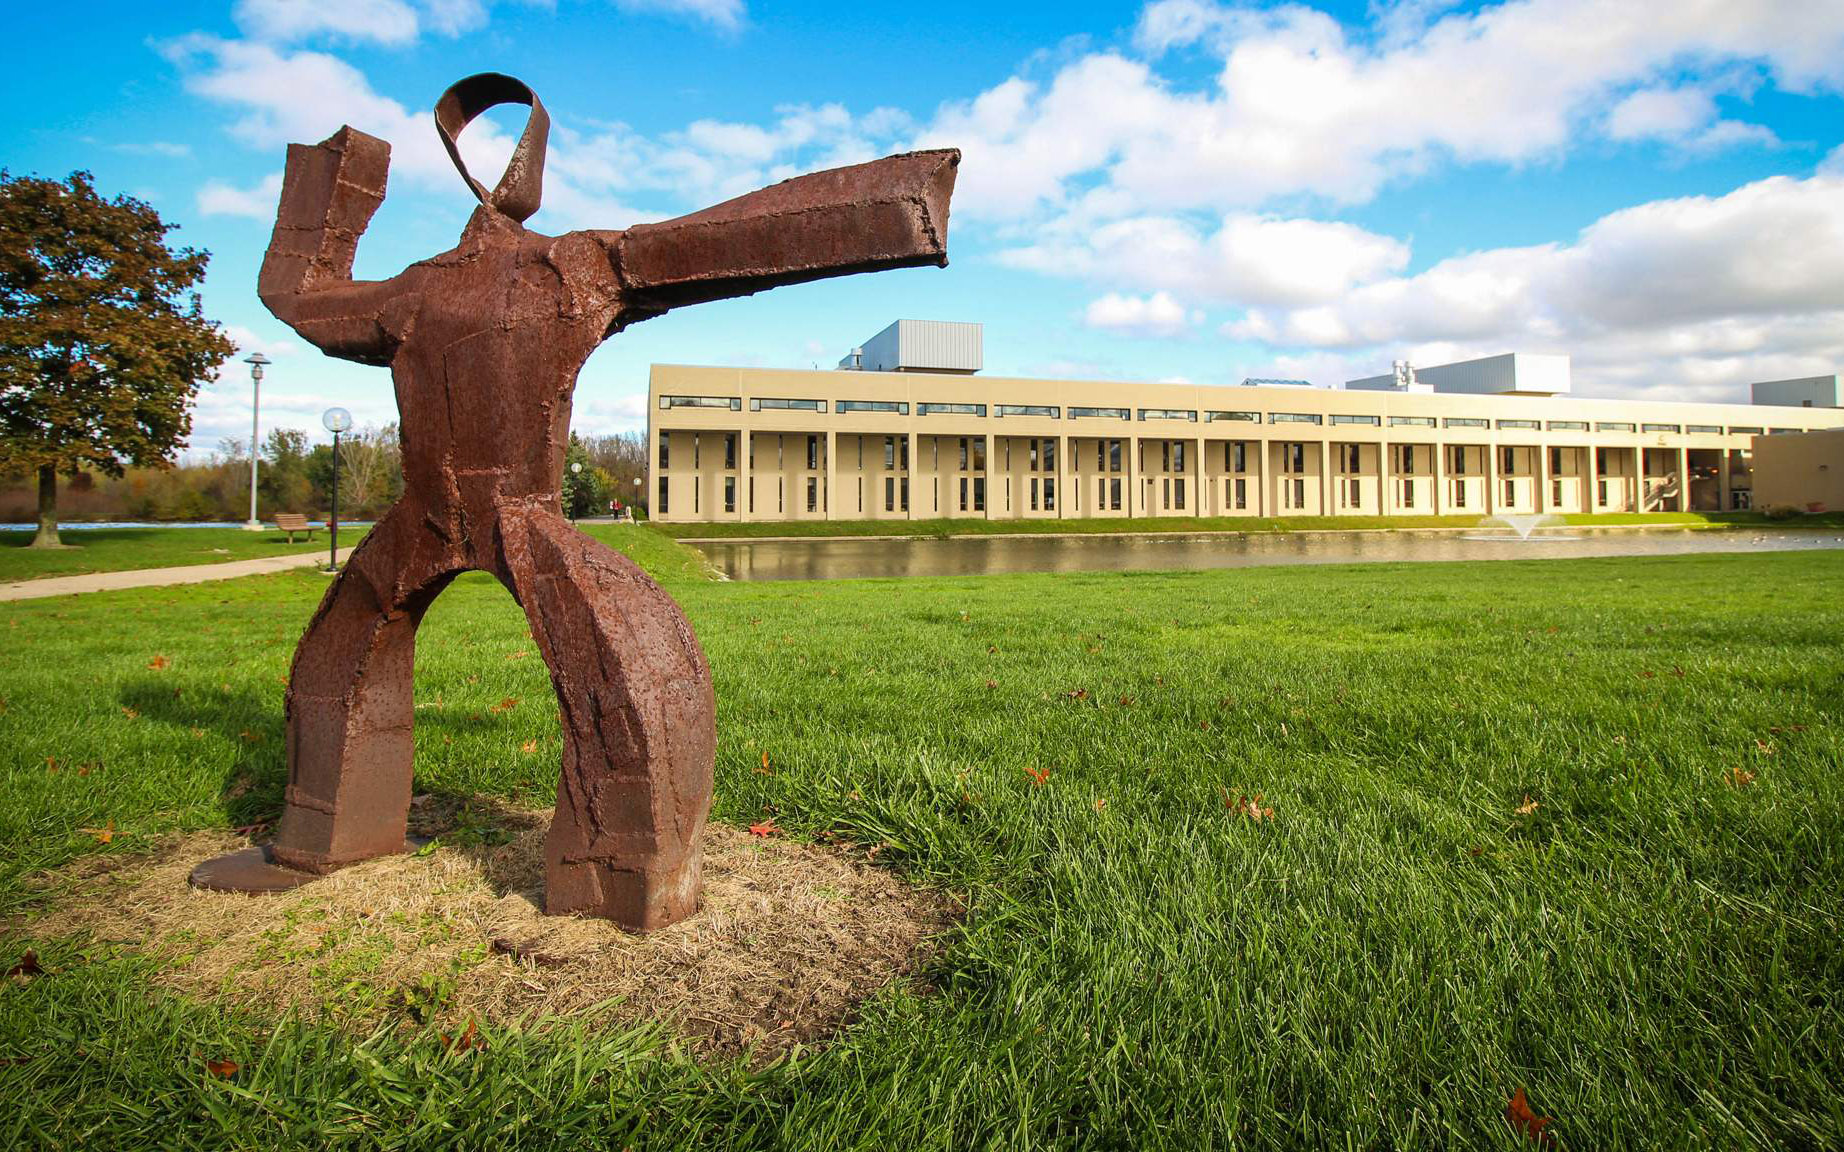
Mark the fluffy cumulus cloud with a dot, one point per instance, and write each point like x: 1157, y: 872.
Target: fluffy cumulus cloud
x: 1695, y: 293
x: 723, y: 15
x: 220, y: 199
x: 1154, y: 315
x: 390, y: 22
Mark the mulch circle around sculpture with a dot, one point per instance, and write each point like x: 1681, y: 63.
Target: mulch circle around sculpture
x: 789, y: 940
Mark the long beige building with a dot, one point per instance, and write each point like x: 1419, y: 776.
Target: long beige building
x: 769, y: 444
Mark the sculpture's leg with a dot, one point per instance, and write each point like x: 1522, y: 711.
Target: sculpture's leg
x: 639, y: 725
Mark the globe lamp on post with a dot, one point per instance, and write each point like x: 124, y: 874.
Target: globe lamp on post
x: 335, y: 420
x: 255, y: 360
x: 576, y: 469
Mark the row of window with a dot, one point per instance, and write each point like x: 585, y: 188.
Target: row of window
x: 1054, y: 412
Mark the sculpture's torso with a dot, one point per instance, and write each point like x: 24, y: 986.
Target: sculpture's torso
x: 491, y: 337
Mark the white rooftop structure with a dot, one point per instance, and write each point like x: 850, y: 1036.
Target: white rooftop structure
x: 920, y: 346
x: 1804, y: 392
x: 1512, y: 374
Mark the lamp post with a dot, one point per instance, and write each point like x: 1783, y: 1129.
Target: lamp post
x: 633, y: 512
x: 335, y: 420
x: 255, y: 360
x: 576, y: 469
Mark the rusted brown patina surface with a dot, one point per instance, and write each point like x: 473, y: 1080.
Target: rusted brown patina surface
x: 484, y: 343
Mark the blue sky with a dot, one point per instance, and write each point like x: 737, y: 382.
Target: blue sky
x: 1182, y: 190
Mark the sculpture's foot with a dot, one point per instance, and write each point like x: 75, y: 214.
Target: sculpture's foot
x: 638, y: 899
x: 255, y: 869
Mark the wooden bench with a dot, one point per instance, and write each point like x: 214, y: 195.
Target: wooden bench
x: 291, y: 522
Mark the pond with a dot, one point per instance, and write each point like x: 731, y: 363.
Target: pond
x: 840, y: 559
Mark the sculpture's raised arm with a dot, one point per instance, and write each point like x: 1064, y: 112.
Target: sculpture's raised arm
x: 890, y: 213
x: 329, y: 192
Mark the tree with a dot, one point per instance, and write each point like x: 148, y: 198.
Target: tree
x: 585, y: 493
x: 284, y: 479
x: 103, y: 341
x: 370, y: 468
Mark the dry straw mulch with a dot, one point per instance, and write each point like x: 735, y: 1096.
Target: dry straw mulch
x: 790, y: 937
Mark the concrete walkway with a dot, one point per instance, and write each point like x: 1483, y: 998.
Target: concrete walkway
x: 159, y: 577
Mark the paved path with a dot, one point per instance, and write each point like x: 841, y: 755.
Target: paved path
x: 157, y: 577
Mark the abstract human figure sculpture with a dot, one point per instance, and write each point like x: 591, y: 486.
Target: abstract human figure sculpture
x: 484, y: 343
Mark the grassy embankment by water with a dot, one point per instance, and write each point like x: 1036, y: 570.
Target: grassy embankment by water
x: 970, y: 526
x: 123, y: 549
x: 1574, y: 827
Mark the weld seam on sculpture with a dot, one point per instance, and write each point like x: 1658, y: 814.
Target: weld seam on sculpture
x: 484, y: 343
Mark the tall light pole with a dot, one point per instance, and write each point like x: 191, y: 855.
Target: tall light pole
x: 633, y: 510
x: 335, y: 420
x: 576, y: 469
x: 255, y: 360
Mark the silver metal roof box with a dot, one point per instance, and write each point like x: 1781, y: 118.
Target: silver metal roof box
x: 946, y: 346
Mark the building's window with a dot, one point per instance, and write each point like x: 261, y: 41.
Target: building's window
x: 1602, y: 493
x: 1114, y: 451
x: 781, y: 493
x: 951, y: 410
x: 979, y: 453
x: 1178, y: 455
x: 1050, y: 494
x: 1555, y: 493
x: 1508, y: 457
x: 1050, y: 455
x: 889, y: 493
x: 1294, y: 418
x: 963, y: 453
x: 1030, y: 455
x: 1408, y: 457
x: 1465, y: 422
x: 1242, y: 492
x: 1293, y: 457
x: 1178, y: 493
x: 1781, y: 431
x: 1661, y: 428
x: 900, y: 407
x: 1411, y: 421
x: 1101, y: 413
x: 752, y: 494
x: 729, y: 451
x: 963, y: 493
x: 1168, y: 414
x: 902, y: 494
x: 1236, y: 454
x: 1704, y: 429
x: 979, y: 493
x: 776, y: 404
x: 1520, y: 424
x: 1612, y: 426
x: 1368, y: 421
x: 1510, y: 493
x: 1458, y: 468
x: 1298, y: 491
x: 1353, y: 495
x: 733, y: 403
x: 813, y: 493
x: 1568, y: 425
x: 1408, y: 493
x: 664, y: 506
x: 695, y: 453
x: 1354, y: 458
x: 890, y: 452
x: 697, y: 494
x: 813, y: 453
x: 1033, y: 493
x: 752, y: 450
x: 1555, y: 460
x: 1459, y: 493
x: 1248, y: 417
x: 665, y: 451
x: 1050, y: 410
x: 729, y: 493
x: 1600, y: 462
x: 1734, y: 430
x: 1008, y: 459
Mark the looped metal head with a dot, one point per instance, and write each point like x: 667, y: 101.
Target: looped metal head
x: 522, y: 187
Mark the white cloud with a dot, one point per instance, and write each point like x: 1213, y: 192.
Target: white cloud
x: 1687, y: 296
x: 249, y: 341
x: 1684, y: 116
x: 381, y: 21
x: 1157, y: 315
x: 723, y: 15
x: 217, y: 198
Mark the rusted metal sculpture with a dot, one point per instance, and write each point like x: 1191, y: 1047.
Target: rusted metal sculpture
x: 484, y: 343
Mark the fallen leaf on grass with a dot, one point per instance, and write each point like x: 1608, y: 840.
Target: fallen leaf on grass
x: 1100, y: 803
x: 1249, y: 806
x: 469, y: 1039
x: 1038, y: 776
x: 1738, y: 777
x: 765, y: 829
x: 529, y: 747
x: 27, y: 967
x: 129, y: 712
x: 249, y: 737
x: 157, y: 663
x: 519, y: 655
x: 1763, y: 747
x: 1077, y: 693
x: 1776, y: 729
x: 1126, y: 701
x: 1528, y: 807
x: 223, y: 1069
x: 505, y: 705
x: 765, y: 770
x: 1527, y: 1123
x: 992, y: 683
x: 102, y: 835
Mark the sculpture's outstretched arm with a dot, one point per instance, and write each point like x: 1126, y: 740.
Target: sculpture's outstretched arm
x: 329, y: 192
x: 890, y: 213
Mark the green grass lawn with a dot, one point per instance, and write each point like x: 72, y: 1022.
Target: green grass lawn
x: 968, y: 526
x: 1651, y: 952
x: 121, y: 549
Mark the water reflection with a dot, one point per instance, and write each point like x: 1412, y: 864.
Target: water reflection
x: 841, y: 559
